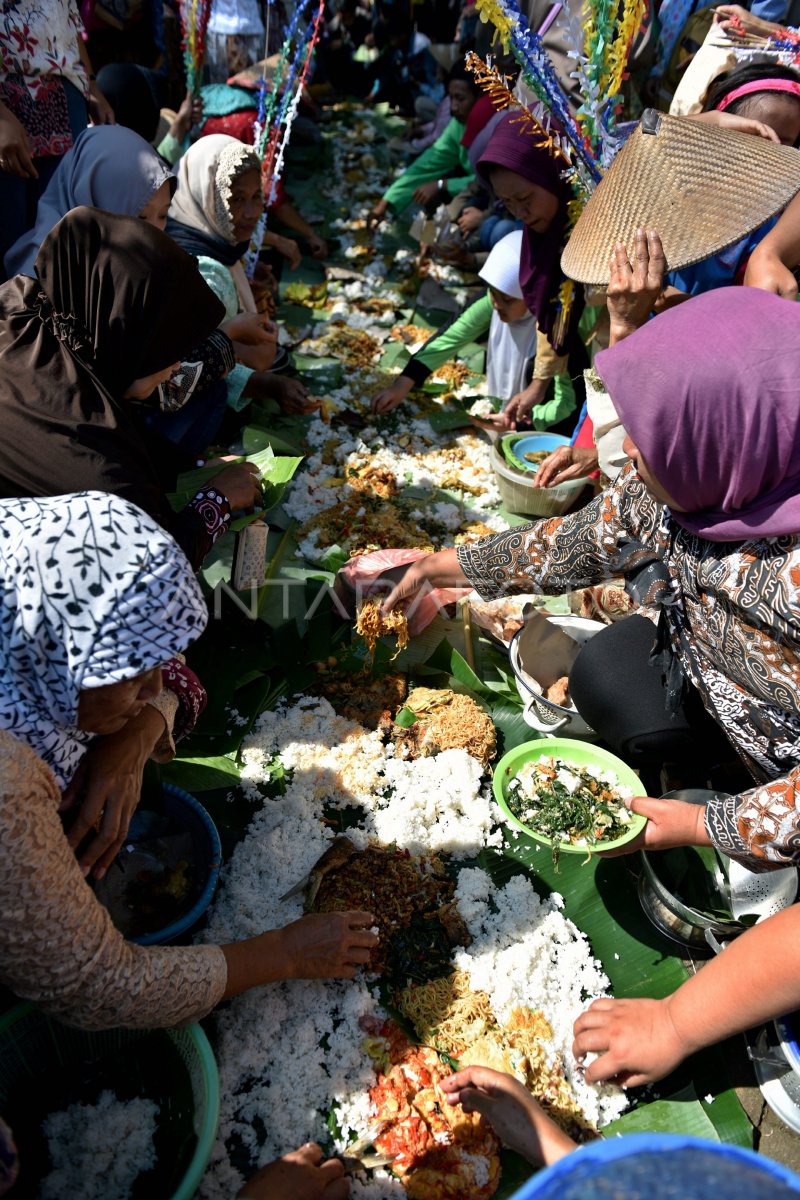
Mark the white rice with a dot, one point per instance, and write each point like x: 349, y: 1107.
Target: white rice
x: 291, y: 1051
x: 98, y: 1151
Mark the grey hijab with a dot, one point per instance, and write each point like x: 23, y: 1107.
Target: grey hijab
x: 109, y: 167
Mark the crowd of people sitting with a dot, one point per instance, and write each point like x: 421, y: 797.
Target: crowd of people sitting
x: 132, y: 339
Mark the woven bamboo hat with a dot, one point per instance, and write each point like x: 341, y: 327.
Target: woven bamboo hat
x: 702, y: 188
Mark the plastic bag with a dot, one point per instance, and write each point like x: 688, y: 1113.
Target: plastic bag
x: 368, y: 574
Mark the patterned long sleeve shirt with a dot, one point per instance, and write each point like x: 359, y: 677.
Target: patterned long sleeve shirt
x: 58, y: 945
x: 733, y: 619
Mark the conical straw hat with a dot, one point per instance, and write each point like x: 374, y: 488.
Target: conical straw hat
x: 701, y: 187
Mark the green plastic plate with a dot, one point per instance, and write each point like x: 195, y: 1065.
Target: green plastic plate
x: 582, y: 754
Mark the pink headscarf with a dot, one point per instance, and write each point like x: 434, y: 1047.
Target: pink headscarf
x: 710, y: 394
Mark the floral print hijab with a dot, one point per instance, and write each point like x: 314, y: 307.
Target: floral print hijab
x: 92, y: 592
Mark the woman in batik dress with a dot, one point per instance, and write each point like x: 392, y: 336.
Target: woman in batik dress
x: 704, y: 527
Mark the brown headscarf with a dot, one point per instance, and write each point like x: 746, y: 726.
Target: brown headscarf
x: 115, y: 300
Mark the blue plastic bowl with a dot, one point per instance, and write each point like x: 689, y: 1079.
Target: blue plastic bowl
x: 184, y: 813
x: 516, y: 446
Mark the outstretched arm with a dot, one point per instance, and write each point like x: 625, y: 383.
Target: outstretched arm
x: 773, y: 260
x: 756, y: 977
x: 516, y: 1117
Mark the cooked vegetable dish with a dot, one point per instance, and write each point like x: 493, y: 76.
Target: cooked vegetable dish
x: 567, y: 803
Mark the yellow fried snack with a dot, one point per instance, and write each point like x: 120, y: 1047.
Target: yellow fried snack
x: 448, y: 1014
x: 447, y: 720
x: 372, y: 624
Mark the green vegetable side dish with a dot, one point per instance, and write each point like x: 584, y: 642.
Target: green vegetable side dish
x: 568, y: 795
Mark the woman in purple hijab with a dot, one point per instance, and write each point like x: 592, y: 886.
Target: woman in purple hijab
x: 703, y: 525
x: 529, y: 181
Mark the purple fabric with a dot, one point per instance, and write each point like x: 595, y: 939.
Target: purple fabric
x: 710, y: 394
x: 513, y: 147
x: 479, y: 117
x: 481, y: 141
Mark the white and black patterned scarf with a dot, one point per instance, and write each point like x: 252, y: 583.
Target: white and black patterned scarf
x: 92, y: 592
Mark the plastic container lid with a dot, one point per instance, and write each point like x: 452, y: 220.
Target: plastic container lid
x: 647, y: 1165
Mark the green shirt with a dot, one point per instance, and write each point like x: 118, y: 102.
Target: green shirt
x: 470, y: 326
x: 220, y: 280
x: 440, y: 160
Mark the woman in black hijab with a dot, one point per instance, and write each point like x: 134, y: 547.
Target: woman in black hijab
x: 115, y: 307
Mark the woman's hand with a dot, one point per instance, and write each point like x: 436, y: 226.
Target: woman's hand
x: 765, y: 270
x: 634, y: 289
x: 317, y: 246
x: 518, y: 409
x: 454, y: 253
x: 263, y: 275
x: 257, y: 358
x: 15, y: 149
x: 565, y: 463
x: 670, y: 297
x: 433, y: 571
x: 377, y: 214
x: 107, y: 787
x: 289, y: 249
x: 293, y: 397
x: 728, y: 15
x: 240, y: 483
x: 290, y: 394
x: 670, y: 823
x: 512, y: 1112
x: 255, y: 340
x: 469, y: 220
x: 389, y: 398
x: 100, y: 111
x: 327, y: 945
x: 426, y: 193
x: 732, y: 121
x: 301, y: 1175
x: 319, y: 946
x: 190, y: 113
x: 251, y: 329
x: 636, y: 1041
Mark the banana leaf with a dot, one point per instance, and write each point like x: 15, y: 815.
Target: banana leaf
x: 202, y: 774
x: 255, y: 438
x: 455, y: 415
x: 275, y: 474
x: 395, y: 355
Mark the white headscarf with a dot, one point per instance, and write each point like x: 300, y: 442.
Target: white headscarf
x: 92, y: 592
x: 206, y: 175
x: 512, y: 344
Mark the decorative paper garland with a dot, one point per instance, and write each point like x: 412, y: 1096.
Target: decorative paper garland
x: 278, y: 109
x: 194, y: 15
x: 601, y: 36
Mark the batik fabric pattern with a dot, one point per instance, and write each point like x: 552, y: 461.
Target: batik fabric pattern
x: 92, y: 592
x: 730, y: 614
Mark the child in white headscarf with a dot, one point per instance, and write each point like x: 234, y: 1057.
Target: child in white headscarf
x: 513, y: 345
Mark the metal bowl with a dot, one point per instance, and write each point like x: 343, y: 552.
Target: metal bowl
x: 749, y: 895
x: 673, y: 917
x: 551, y: 720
